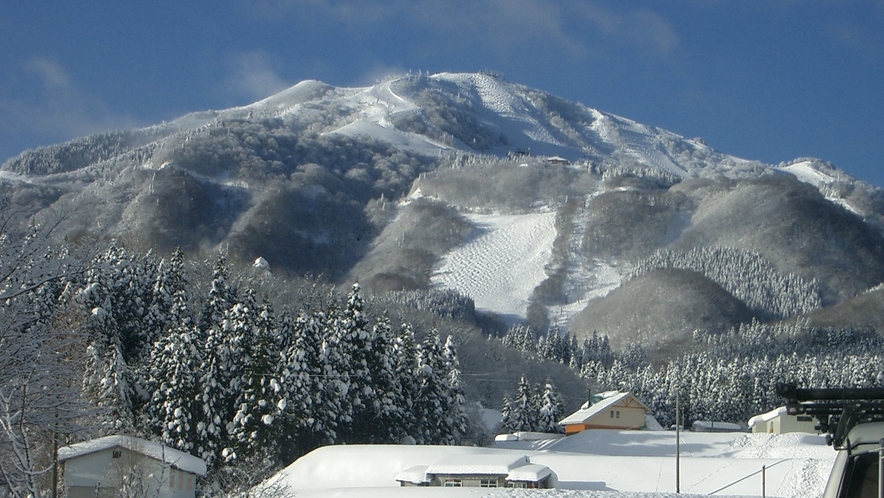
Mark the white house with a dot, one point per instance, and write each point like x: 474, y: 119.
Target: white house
x: 106, y: 466
x: 778, y: 421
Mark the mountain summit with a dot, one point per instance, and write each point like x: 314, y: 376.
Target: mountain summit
x: 538, y: 208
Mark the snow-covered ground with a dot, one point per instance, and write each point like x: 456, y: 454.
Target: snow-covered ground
x: 598, y: 464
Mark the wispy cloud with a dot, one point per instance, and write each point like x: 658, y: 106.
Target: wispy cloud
x: 53, y: 107
x: 252, y: 76
x: 642, y: 28
x: 500, y: 25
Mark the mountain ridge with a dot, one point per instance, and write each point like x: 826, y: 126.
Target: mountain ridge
x: 323, y: 179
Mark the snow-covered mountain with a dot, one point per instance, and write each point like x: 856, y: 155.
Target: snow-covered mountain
x: 538, y: 208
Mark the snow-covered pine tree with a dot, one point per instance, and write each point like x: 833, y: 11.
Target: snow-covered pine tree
x: 434, y: 393
x: 551, y: 409
x: 523, y: 414
x: 171, y: 278
x: 507, y: 422
x: 107, y: 384
x: 350, y: 342
x: 309, y: 405
x: 254, y: 425
x: 386, y: 414
x: 407, y: 379
x: 458, y: 420
x: 216, y: 377
x: 173, y: 379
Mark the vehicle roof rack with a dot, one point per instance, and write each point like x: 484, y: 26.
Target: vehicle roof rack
x: 837, y: 409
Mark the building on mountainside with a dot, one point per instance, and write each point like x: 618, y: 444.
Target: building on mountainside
x: 480, y: 471
x: 780, y: 422
x: 558, y: 160
x: 113, y: 466
x: 608, y: 410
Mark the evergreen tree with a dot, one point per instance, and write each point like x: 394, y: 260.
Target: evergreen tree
x: 433, y: 393
x: 107, y: 384
x: 407, y: 356
x: 351, y: 339
x: 173, y: 411
x: 386, y: 413
x: 307, y: 407
x: 458, y: 420
x: 523, y: 414
x: 254, y: 424
x: 217, y: 379
x: 551, y: 409
x: 507, y: 422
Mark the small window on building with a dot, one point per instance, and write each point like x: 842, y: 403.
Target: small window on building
x: 452, y: 483
x: 612, y: 413
x: 512, y: 484
x: 118, y: 454
x: 618, y: 413
x: 488, y: 483
x: 805, y: 418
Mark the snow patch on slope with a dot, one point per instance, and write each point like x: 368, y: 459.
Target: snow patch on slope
x: 808, y: 172
x: 500, y: 267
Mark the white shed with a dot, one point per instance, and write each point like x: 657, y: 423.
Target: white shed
x: 779, y: 421
x: 106, y: 466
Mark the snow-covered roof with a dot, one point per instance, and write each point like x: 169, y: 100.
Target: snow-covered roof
x: 767, y: 417
x: 477, y: 464
x: 175, y: 458
x: 529, y: 473
x: 587, y: 411
x: 515, y: 467
x: 416, y: 475
x: 527, y: 436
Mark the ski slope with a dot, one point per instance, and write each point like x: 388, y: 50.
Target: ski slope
x: 502, y: 264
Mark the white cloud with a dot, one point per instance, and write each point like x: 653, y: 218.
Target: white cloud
x: 378, y: 73
x: 252, y: 75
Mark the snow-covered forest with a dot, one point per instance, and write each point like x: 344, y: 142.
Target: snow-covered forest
x: 119, y: 344
x: 726, y: 377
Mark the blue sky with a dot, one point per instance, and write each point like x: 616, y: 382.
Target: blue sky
x: 771, y: 80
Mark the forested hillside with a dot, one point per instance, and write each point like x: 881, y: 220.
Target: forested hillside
x: 193, y: 282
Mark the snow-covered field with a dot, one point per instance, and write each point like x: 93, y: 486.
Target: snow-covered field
x: 598, y: 464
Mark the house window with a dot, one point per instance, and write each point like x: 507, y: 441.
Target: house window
x: 512, y: 484
x: 118, y: 454
x: 618, y: 413
x: 612, y: 413
x: 488, y: 483
x: 452, y: 483
x: 805, y: 418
